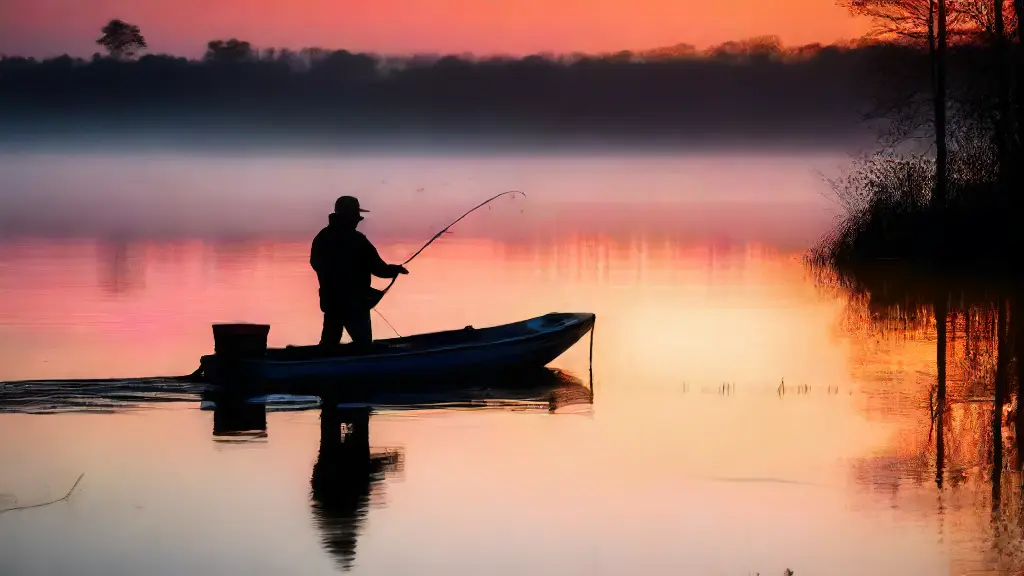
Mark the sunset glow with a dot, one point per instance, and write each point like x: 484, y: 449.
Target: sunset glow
x: 48, y: 27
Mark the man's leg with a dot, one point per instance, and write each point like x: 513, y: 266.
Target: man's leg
x: 331, y: 334
x: 357, y: 322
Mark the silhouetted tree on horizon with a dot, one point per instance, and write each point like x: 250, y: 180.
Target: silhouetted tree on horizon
x: 233, y: 51
x: 742, y: 90
x: 121, y: 39
x: 754, y: 87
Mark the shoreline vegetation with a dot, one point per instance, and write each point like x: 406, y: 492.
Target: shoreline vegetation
x: 930, y: 242
x: 951, y: 211
x: 743, y: 92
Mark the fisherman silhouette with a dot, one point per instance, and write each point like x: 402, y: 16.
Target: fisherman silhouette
x: 344, y: 259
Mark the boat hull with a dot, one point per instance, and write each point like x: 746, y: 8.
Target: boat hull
x: 521, y: 346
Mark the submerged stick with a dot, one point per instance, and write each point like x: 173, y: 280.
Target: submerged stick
x: 593, y: 327
x: 62, y: 499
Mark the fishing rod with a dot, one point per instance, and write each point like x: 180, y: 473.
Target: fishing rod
x: 376, y: 295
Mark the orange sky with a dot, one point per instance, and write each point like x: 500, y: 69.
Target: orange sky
x: 46, y: 27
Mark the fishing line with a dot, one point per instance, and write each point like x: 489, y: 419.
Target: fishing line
x: 386, y: 322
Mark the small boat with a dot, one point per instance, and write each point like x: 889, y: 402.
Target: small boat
x: 242, y: 355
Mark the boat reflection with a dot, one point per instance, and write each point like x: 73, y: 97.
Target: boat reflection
x: 348, y: 475
x: 545, y: 388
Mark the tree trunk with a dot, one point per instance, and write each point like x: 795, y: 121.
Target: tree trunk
x: 1016, y: 331
x: 1019, y: 6
x: 938, y: 199
x: 997, y: 454
x: 999, y: 395
x: 1004, y: 123
x: 931, y: 41
x: 1017, y: 315
x: 1017, y: 64
x: 940, y: 394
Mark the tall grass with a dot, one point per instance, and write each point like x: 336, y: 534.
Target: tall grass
x: 887, y: 217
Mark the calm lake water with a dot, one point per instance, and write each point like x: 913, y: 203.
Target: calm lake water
x: 744, y: 418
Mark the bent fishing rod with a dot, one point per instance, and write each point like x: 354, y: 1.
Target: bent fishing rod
x: 377, y: 295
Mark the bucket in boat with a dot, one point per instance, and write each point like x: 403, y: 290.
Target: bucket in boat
x: 240, y: 340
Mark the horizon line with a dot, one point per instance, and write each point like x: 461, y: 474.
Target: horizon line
x: 691, y: 50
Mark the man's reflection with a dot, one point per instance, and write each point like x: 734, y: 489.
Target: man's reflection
x: 345, y: 476
x: 122, y: 267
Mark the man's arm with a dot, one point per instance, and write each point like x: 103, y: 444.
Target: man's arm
x: 380, y: 268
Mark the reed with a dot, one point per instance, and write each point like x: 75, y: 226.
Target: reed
x: 887, y: 218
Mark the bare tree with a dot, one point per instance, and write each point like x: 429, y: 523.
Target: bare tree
x: 983, y: 16
x: 941, y: 153
x: 897, y: 19
x: 121, y: 39
x: 1004, y: 118
x: 917, y: 22
x: 903, y: 95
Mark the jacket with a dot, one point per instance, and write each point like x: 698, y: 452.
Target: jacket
x: 344, y: 259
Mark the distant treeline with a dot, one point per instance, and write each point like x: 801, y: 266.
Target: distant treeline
x: 743, y: 89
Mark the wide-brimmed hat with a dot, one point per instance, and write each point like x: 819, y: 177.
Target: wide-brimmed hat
x: 348, y: 206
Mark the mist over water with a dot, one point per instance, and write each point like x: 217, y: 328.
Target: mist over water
x: 740, y: 196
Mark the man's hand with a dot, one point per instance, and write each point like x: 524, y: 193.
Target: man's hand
x: 399, y: 269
